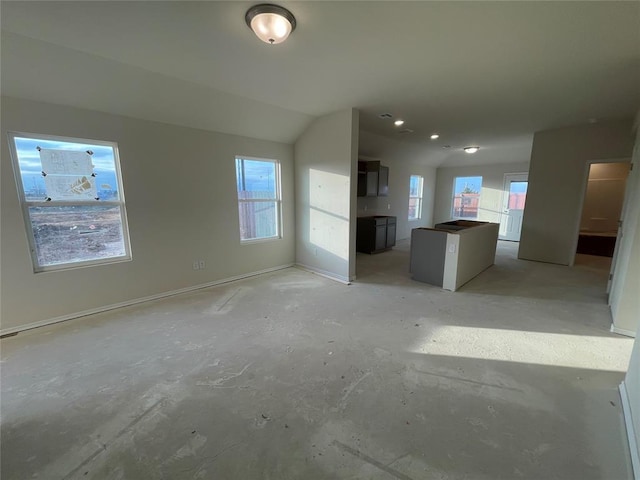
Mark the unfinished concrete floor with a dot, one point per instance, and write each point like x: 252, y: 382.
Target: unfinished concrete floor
x: 293, y: 376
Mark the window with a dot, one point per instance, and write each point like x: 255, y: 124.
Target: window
x: 72, y: 200
x: 258, y: 183
x: 466, y: 197
x: 415, y: 197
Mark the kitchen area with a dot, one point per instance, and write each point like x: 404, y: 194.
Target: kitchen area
x: 446, y: 255
x: 375, y: 233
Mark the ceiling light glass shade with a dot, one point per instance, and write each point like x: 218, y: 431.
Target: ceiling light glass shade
x: 471, y: 149
x: 397, y: 123
x: 271, y: 24
x: 435, y: 136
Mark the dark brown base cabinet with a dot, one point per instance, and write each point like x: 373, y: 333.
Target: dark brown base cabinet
x: 375, y: 234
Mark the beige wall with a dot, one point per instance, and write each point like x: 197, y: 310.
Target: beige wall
x: 325, y: 169
x: 603, y: 198
x: 557, y: 181
x: 632, y: 387
x: 624, y: 298
x: 625, y: 307
x: 490, y: 208
x: 625, y: 284
x: 181, y: 203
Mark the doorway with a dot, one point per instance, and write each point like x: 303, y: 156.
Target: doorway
x: 513, y: 199
x: 602, y: 208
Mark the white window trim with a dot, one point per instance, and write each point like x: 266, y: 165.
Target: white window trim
x: 24, y: 204
x: 419, y: 197
x: 277, y: 200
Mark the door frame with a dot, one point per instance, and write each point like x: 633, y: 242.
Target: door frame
x: 583, y: 196
x: 628, y: 188
x: 505, y: 194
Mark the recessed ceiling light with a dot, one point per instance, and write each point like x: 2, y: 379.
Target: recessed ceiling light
x: 471, y: 149
x: 397, y: 123
x: 435, y: 136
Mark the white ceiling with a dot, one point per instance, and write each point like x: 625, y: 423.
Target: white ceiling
x: 478, y: 73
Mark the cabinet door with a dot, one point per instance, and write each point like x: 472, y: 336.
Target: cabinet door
x: 381, y: 237
x: 383, y: 182
x: 365, y: 234
x: 362, y: 184
x: 391, y: 235
x: 372, y: 184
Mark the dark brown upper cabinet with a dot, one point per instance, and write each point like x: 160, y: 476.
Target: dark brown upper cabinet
x: 373, y: 179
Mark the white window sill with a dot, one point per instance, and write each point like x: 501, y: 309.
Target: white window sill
x: 259, y: 240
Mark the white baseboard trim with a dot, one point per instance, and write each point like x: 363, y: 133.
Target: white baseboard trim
x: 113, y: 306
x: 623, y: 331
x: 324, y: 273
x: 633, y: 444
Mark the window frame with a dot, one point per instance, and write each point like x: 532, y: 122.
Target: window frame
x: 418, y: 197
x: 26, y: 204
x: 453, y: 197
x: 277, y: 200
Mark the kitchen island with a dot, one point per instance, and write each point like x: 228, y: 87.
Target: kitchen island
x: 452, y: 253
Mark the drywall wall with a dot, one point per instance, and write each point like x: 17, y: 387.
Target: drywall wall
x: 558, y: 174
x: 179, y: 185
x: 490, y: 207
x: 325, y: 173
x: 625, y: 282
x: 626, y: 308
x: 625, y: 302
x: 43, y: 71
x: 402, y: 162
x: 632, y: 405
x: 603, y: 198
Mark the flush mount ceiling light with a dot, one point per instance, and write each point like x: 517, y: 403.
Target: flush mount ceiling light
x: 435, y: 136
x: 471, y: 149
x: 397, y: 123
x: 271, y: 24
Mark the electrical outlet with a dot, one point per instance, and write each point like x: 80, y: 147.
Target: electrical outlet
x: 388, y: 206
x: 196, y: 265
x: 202, y: 265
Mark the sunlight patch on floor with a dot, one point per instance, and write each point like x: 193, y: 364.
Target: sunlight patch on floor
x: 553, y: 349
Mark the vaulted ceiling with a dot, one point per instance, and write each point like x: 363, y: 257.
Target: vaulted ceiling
x: 477, y: 73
